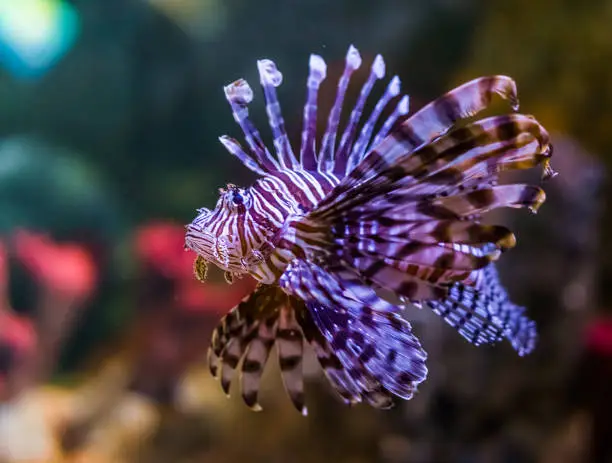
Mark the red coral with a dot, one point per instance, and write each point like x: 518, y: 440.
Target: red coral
x: 17, y: 339
x: 178, y: 312
x: 67, y: 269
x: 18, y: 343
x: 212, y: 297
x: 3, y: 274
x: 16, y: 331
x: 599, y: 336
x: 161, y: 246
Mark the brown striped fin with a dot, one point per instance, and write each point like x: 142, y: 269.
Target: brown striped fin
x: 230, y: 357
x: 399, y: 252
x: 486, y: 199
x: 477, y: 151
x: 290, y: 347
x: 246, y: 332
x: 254, y: 361
x: 452, y: 231
x: 464, y: 101
x: 342, y: 384
x: 369, y: 226
x: 229, y: 327
x: 494, y: 138
x: 433, y: 121
x: 406, y: 282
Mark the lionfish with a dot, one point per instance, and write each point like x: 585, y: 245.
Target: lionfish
x: 342, y: 237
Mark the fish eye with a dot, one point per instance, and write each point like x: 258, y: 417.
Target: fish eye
x: 237, y: 198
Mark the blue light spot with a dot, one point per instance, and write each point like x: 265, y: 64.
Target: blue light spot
x: 35, y: 34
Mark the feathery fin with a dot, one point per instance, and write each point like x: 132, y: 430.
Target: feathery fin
x: 484, y: 314
x: 377, y: 348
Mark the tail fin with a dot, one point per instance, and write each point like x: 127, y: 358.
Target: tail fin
x: 484, y: 314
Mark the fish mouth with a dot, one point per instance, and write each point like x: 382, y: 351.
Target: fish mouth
x: 215, y: 249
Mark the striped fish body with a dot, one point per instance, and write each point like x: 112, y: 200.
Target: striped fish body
x: 390, y: 211
x: 251, y: 235
x: 292, y: 194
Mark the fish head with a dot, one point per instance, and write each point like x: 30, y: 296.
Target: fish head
x: 224, y: 235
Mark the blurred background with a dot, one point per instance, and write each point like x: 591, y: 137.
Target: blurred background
x: 109, y: 116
